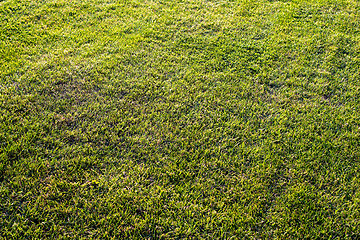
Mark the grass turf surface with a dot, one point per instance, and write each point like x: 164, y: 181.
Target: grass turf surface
x: 180, y: 119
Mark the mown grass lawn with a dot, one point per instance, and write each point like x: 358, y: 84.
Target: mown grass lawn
x: 188, y: 119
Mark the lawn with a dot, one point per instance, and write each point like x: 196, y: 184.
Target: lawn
x: 188, y: 119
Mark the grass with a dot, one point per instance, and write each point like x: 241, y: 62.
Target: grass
x: 188, y: 119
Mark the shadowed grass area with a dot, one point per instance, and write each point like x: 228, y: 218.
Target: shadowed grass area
x: 185, y: 119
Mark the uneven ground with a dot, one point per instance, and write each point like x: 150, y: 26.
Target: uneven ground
x: 179, y: 119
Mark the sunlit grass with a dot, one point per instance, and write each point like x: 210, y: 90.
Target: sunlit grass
x: 179, y: 119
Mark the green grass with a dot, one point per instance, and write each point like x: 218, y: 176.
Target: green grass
x: 187, y: 119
